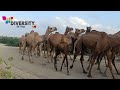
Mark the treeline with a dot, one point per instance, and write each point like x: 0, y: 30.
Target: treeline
x: 9, y: 41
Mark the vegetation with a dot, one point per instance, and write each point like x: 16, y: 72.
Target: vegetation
x: 5, y: 69
x: 9, y: 41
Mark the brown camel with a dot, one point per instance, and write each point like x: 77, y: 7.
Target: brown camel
x: 31, y: 42
x: 64, y: 48
x: 46, y: 37
x: 22, y: 41
x: 99, y: 42
x: 56, y: 38
x: 114, y: 51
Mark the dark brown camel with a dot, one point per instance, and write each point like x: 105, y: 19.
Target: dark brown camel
x: 62, y: 47
x: 99, y: 42
x: 114, y: 51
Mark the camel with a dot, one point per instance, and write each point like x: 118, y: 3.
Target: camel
x: 46, y: 36
x: 99, y: 42
x: 22, y: 41
x: 114, y: 51
x: 64, y: 48
x: 33, y: 40
x: 55, y: 39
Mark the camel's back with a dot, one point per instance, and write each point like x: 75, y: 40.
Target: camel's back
x: 55, y: 39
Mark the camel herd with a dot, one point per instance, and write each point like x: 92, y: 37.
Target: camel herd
x: 98, y: 44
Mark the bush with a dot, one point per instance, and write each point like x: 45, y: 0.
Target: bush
x: 9, y: 41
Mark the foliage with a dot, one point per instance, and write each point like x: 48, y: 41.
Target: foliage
x: 9, y: 41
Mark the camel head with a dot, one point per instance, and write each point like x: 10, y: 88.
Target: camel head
x: 79, y: 31
x: 69, y: 29
x: 51, y: 29
x: 26, y: 34
x: 32, y: 31
x: 88, y: 29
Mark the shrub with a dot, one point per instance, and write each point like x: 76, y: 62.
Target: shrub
x: 9, y: 41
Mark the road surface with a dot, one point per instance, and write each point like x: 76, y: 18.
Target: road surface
x: 41, y: 69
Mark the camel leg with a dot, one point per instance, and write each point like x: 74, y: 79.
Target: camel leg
x: 105, y: 61
x: 41, y: 49
x: 67, y: 64
x: 62, y: 63
x: 44, y: 50
x: 23, y: 52
x: 92, y: 63
x: 81, y: 60
x: 70, y: 57
x: 113, y: 62
x: 109, y: 63
x: 91, y: 56
x: 99, y: 59
x: 30, y: 54
x: 55, y: 59
x: 74, y: 60
x: 52, y: 56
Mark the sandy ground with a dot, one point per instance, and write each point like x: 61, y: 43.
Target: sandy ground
x: 40, y: 69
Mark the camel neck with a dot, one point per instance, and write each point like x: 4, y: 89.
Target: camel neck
x: 47, y: 33
x: 65, y: 33
x: 76, y: 35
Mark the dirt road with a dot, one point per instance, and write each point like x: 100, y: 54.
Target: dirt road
x: 40, y: 69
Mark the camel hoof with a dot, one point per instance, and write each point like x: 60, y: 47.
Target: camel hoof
x: 45, y: 57
x: 22, y: 58
x: 44, y: 64
x: 61, y: 57
x: 118, y: 73
x: 31, y: 61
x: 71, y: 67
x: 68, y: 73
x: 101, y: 72
x: 65, y: 65
x: 104, y: 74
x: 84, y: 72
x: 60, y: 70
x: 87, y: 68
x: 95, y: 63
x: 56, y: 69
x: 48, y: 62
x: 98, y: 69
x: 90, y: 76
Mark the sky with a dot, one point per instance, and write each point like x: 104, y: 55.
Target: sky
x: 107, y: 21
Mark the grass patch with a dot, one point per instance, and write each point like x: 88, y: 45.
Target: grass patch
x: 5, y: 69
